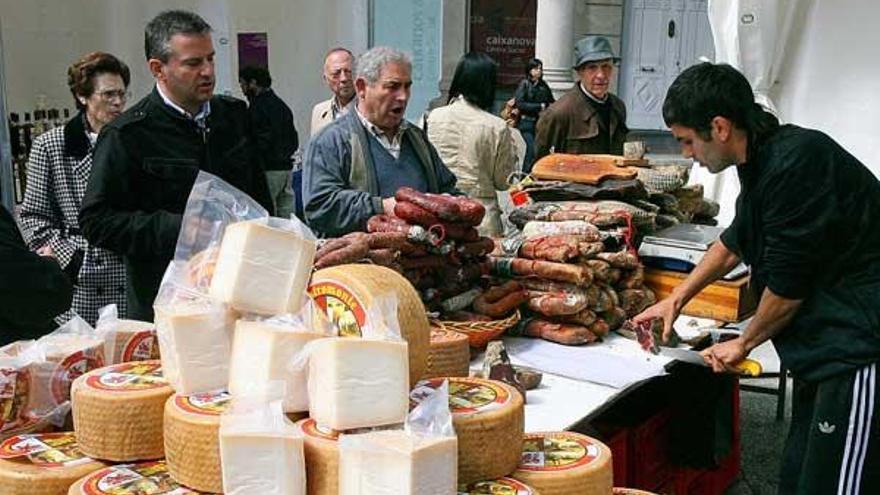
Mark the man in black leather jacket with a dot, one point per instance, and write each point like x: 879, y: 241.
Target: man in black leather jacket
x: 146, y: 162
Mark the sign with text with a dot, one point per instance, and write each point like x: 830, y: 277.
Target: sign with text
x: 505, y: 29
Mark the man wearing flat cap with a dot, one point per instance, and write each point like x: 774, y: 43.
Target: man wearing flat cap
x: 588, y: 118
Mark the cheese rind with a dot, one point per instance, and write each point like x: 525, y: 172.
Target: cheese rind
x: 262, y: 269
x: 263, y: 353
x: 448, y: 354
x: 321, y: 449
x: 507, y: 486
x: 358, y: 383
x: 142, y: 478
x: 38, y: 474
x: 565, y: 463
x: 118, y: 410
x: 269, y: 463
x: 393, y: 462
x: 192, y: 448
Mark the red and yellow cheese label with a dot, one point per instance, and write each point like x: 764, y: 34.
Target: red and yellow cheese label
x: 141, y: 346
x: 501, y: 486
x: 45, y: 450
x: 71, y: 368
x: 127, y: 377
x: 14, y: 392
x: 148, y: 478
x: 557, y: 451
x: 466, y: 395
x: 206, y: 404
x: 310, y: 428
x: 343, y: 309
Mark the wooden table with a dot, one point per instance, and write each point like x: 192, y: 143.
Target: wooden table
x: 729, y: 301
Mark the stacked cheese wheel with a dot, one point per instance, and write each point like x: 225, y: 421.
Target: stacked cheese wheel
x: 143, y: 478
x: 565, y: 463
x: 448, y: 354
x: 508, y: 486
x: 44, y: 464
x: 346, y: 292
x: 132, y: 340
x: 322, y: 458
x: 488, y: 417
x: 117, y: 411
x: 192, y: 449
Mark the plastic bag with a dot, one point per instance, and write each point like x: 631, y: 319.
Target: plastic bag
x: 126, y: 340
x: 421, y: 458
x: 22, y: 408
x: 75, y: 348
x: 195, y: 335
x: 260, y: 450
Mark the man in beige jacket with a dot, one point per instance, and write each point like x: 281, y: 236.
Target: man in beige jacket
x: 337, y: 75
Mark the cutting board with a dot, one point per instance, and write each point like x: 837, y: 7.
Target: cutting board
x: 585, y: 169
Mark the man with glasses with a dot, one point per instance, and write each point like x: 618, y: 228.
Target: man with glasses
x: 337, y: 75
x: 588, y: 118
x: 146, y: 161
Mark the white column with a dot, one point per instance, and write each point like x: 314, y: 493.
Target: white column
x: 554, y: 43
x: 455, y: 43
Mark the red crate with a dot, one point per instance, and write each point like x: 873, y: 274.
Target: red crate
x: 619, y: 445
x: 650, y: 467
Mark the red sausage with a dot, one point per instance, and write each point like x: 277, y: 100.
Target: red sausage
x: 415, y: 214
x: 434, y: 203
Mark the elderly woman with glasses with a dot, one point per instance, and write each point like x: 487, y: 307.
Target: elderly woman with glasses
x: 58, y: 171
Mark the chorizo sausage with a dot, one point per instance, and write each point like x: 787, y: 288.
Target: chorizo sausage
x: 351, y: 252
x: 502, y: 307
x: 414, y: 214
x: 434, y: 203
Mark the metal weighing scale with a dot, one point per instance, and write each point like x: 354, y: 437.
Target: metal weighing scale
x: 681, y: 247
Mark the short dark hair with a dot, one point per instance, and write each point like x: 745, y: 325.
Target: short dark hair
x: 157, y: 35
x: 81, y: 75
x: 535, y: 62
x: 474, y: 79
x: 259, y: 74
x: 705, y: 91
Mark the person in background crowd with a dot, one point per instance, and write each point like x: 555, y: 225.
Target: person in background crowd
x: 57, y: 174
x: 588, y: 119
x: 147, y: 160
x: 353, y: 167
x: 33, y: 289
x: 532, y: 97
x: 476, y: 145
x: 510, y: 115
x: 338, y: 77
x: 806, y: 223
x: 274, y: 133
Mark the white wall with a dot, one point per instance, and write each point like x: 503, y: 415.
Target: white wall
x: 43, y: 37
x: 831, y: 78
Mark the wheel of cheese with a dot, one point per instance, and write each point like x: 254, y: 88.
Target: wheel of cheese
x: 507, y: 486
x: 565, y: 463
x: 42, y: 464
x: 630, y: 491
x: 488, y: 417
x: 132, y: 340
x: 192, y: 446
x: 449, y: 354
x: 322, y: 458
x: 146, y: 478
x: 346, y: 292
x: 118, y: 410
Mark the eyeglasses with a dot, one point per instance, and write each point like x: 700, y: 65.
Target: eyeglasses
x: 111, y: 94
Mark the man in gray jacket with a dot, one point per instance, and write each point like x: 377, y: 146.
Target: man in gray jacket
x: 353, y: 167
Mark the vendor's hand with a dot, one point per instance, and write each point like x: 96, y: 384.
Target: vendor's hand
x: 724, y: 357
x: 667, y: 310
x: 388, y: 205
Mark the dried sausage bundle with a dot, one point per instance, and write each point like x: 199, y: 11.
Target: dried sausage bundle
x: 560, y: 248
x: 574, y: 227
x: 560, y: 272
x: 453, y: 209
x: 500, y: 301
x: 561, y: 333
x: 557, y: 304
x: 620, y: 259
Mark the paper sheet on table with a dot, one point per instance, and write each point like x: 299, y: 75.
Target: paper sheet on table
x: 617, y: 362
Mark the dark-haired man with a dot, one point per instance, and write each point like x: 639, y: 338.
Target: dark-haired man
x: 146, y: 161
x: 807, y: 224
x: 274, y: 134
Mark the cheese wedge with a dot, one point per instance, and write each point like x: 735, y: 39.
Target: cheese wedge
x: 262, y: 269
x: 393, y: 462
x: 268, y: 463
x: 262, y: 353
x: 358, y: 383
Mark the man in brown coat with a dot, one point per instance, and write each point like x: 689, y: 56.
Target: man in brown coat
x: 588, y: 118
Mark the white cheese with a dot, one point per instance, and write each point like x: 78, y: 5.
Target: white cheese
x: 268, y: 460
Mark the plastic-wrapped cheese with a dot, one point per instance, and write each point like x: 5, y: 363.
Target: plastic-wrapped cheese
x: 262, y: 269
x: 42, y: 464
x: 263, y: 352
x: 346, y: 292
x: 131, y: 340
x: 67, y: 357
x: 488, y: 417
x: 565, y: 463
x: 357, y: 383
x: 192, y: 449
x: 146, y: 478
x: 322, y: 458
x: 196, y: 343
x: 394, y: 462
x: 117, y: 411
x: 448, y: 354
x: 507, y: 486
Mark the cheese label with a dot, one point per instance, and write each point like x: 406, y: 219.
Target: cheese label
x: 126, y: 377
x: 149, y: 478
x: 466, y: 395
x: 206, y: 404
x: 557, y: 452
x: 13, y: 395
x: 501, y: 486
x: 74, y: 365
x: 344, y: 310
x: 141, y: 346
x: 310, y: 427
x: 45, y: 450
